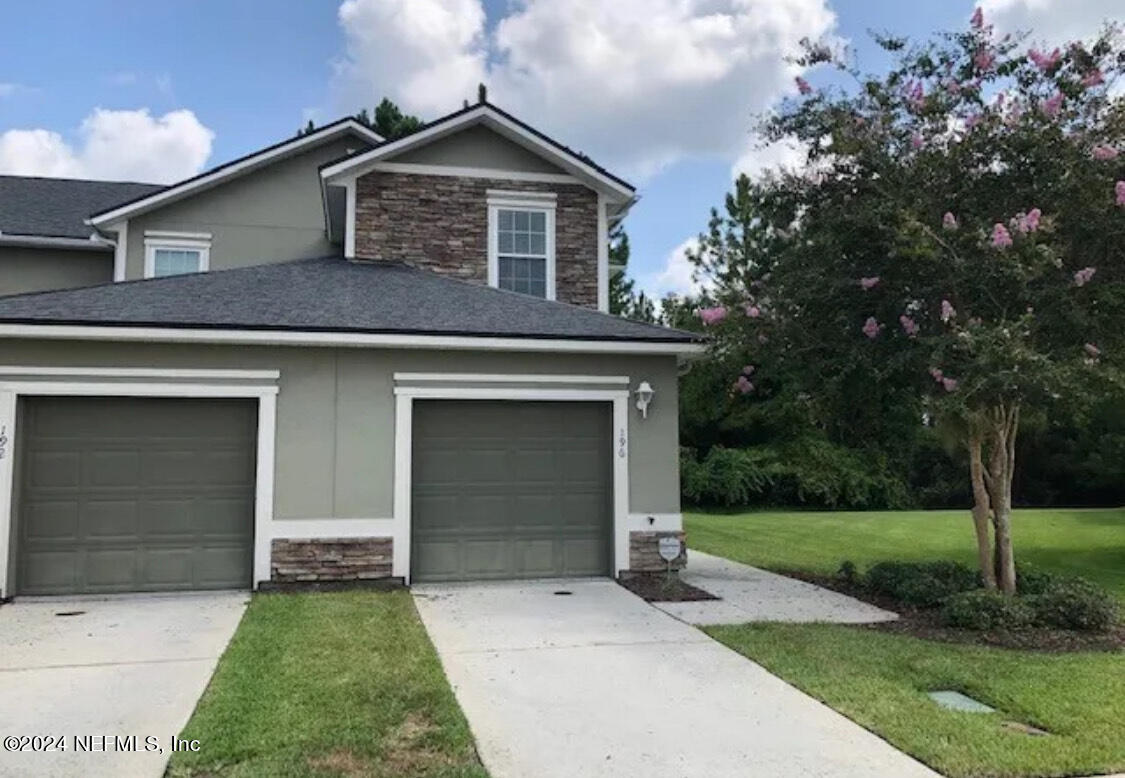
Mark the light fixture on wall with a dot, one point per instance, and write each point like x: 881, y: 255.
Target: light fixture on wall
x: 644, y: 397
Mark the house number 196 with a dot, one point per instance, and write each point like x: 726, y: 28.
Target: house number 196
x: 3, y: 441
x: 621, y: 443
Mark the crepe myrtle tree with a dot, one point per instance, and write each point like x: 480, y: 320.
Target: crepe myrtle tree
x: 957, y: 234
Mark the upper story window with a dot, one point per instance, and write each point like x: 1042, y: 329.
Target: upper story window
x: 174, y: 254
x: 521, y: 242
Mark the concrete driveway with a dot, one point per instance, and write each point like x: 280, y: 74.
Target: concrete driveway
x: 598, y: 683
x: 127, y: 665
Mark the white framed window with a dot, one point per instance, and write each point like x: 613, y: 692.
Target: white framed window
x: 521, y: 242
x: 174, y: 254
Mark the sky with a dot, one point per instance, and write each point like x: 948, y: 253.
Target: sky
x: 662, y: 92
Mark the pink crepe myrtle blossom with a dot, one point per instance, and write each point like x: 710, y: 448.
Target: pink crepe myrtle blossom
x: 871, y: 327
x: 869, y: 282
x: 917, y: 141
x: 984, y: 58
x: 1028, y: 222
x: 909, y: 326
x: 1052, y: 105
x: 748, y: 370
x: 1083, y: 276
x: 949, y: 221
x: 743, y: 385
x: 1015, y: 113
x: 949, y: 384
x: 1001, y: 238
x: 953, y: 87
x: 1093, y: 78
x: 803, y: 86
x: 712, y: 315
x: 947, y: 311
x: 1044, y: 61
x: 1092, y: 350
x: 972, y: 120
x: 977, y: 19
x: 753, y: 311
x: 1119, y: 190
x: 936, y: 373
x: 916, y: 95
x: 1103, y: 152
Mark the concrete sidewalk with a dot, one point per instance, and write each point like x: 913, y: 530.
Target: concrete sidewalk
x: 120, y: 666
x: 598, y: 683
x: 749, y: 594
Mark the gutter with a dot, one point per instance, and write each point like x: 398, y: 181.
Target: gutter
x: 93, y: 243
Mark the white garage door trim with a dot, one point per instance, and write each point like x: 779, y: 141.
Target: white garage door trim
x: 260, y: 385
x: 502, y: 390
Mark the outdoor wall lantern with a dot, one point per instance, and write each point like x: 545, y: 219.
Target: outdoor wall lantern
x: 644, y: 397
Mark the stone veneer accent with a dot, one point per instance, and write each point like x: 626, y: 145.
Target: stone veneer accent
x: 644, y: 552
x: 330, y: 559
x: 440, y: 223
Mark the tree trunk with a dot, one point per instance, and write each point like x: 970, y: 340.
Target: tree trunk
x: 982, y: 510
x: 1004, y: 424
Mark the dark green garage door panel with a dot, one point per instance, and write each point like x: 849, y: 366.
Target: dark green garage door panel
x: 135, y: 494
x: 511, y: 490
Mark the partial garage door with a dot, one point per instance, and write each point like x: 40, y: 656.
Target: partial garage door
x: 511, y: 490
x: 135, y: 494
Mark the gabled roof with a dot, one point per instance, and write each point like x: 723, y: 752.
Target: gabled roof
x: 58, y: 207
x: 330, y: 295
x: 286, y: 148
x: 500, y: 122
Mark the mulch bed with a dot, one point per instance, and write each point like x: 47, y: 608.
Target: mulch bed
x: 924, y: 624
x: 661, y: 588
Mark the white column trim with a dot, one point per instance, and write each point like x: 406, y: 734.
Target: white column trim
x: 404, y: 447
x: 603, y: 255
x: 265, y: 393
x: 121, y: 251
x: 349, y: 219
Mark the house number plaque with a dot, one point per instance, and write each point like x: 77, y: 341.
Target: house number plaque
x: 3, y: 442
x: 621, y: 443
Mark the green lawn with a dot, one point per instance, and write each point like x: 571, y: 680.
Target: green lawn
x: 1090, y: 543
x: 342, y: 684
x: 880, y: 679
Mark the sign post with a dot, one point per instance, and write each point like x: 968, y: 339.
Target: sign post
x: 670, y: 549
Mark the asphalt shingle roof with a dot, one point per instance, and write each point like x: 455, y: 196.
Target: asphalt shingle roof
x: 328, y: 294
x: 58, y: 207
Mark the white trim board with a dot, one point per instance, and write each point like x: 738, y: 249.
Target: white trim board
x: 265, y: 394
x: 512, y: 378
x: 404, y: 434
x: 344, y: 339
x: 496, y: 174
x: 258, y: 159
x: 142, y: 372
x: 94, y: 243
x: 304, y: 529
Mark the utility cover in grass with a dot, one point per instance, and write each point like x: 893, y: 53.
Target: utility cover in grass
x: 957, y: 701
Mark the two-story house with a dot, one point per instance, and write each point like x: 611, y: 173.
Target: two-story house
x: 337, y: 358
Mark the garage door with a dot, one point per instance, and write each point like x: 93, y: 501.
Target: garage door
x: 511, y: 490
x: 134, y: 494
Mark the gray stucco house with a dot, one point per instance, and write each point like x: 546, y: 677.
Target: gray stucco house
x: 336, y: 358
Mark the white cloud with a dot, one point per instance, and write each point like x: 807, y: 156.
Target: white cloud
x: 1052, y: 21
x: 760, y: 157
x: 7, y: 88
x: 637, y: 83
x: 114, y: 145
x: 676, y: 275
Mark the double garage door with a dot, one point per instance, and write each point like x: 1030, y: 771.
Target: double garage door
x: 506, y: 489
x: 134, y: 494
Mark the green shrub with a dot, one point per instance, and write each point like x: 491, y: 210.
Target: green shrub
x: 848, y: 573
x: 808, y: 472
x: 923, y: 584
x: 983, y: 609
x: 1030, y: 580
x: 1075, y: 603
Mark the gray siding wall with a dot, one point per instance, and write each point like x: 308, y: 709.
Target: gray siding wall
x: 40, y: 269
x: 274, y: 214
x: 335, y: 412
x: 477, y: 147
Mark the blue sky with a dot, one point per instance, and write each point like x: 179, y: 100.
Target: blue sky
x: 245, y: 74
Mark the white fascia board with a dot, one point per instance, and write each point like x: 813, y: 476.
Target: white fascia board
x: 510, y: 378
x: 93, y: 243
x: 483, y: 114
x: 252, y: 162
x: 345, y: 339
